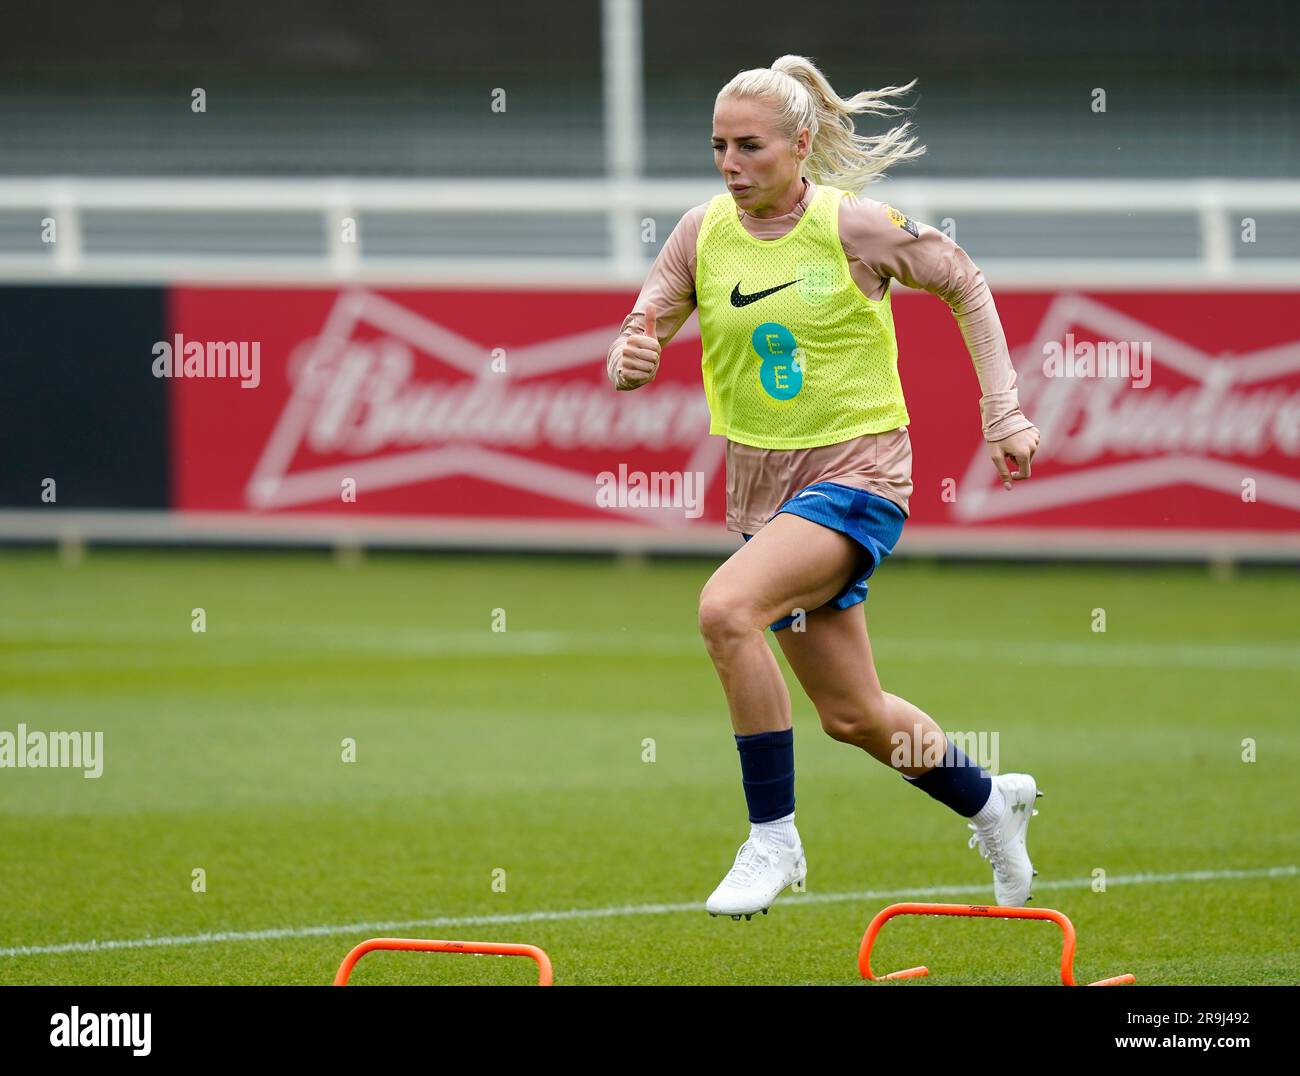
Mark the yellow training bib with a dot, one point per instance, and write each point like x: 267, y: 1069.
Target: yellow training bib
x: 794, y: 355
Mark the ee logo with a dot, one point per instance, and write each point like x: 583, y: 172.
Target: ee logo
x: 781, y: 360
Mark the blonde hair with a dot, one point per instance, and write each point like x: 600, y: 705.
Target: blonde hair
x: 800, y: 96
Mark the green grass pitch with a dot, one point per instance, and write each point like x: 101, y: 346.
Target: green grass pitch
x: 518, y: 757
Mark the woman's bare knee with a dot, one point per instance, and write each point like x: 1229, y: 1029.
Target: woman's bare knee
x: 861, y: 721
x: 723, y: 618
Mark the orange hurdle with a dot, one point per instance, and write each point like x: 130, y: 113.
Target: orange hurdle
x: 978, y: 910
x: 422, y: 945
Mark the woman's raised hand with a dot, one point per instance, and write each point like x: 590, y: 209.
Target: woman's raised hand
x: 639, y: 359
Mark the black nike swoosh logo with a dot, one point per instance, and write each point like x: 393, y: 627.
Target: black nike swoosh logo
x: 744, y: 300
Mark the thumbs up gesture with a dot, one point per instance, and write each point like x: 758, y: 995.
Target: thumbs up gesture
x: 639, y: 359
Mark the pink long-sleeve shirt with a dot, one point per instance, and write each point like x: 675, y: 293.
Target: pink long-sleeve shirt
x: 878, y: 249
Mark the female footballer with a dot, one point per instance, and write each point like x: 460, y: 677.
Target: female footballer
x: 790, y: 271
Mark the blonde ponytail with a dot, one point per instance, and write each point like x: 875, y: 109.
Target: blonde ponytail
x: 800, y: 96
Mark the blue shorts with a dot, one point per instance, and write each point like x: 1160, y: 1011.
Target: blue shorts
x: 874, y: 522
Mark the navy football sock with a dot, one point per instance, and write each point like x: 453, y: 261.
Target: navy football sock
x: 767, y: 771
x: 956, y: 782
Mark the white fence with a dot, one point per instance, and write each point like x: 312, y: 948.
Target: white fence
x: 1216, y: 212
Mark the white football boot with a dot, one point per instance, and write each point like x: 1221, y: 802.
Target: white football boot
x: 1003, y: 842
x: 764, y: 867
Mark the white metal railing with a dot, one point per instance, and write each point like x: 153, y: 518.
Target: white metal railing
x: 1217, y: 204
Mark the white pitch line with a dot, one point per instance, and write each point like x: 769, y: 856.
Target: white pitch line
x: 384, y: 927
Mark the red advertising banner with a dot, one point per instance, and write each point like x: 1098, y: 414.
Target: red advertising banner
x: 1158, y: 412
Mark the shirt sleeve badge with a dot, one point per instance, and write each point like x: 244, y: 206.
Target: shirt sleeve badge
x: 903, y: 221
